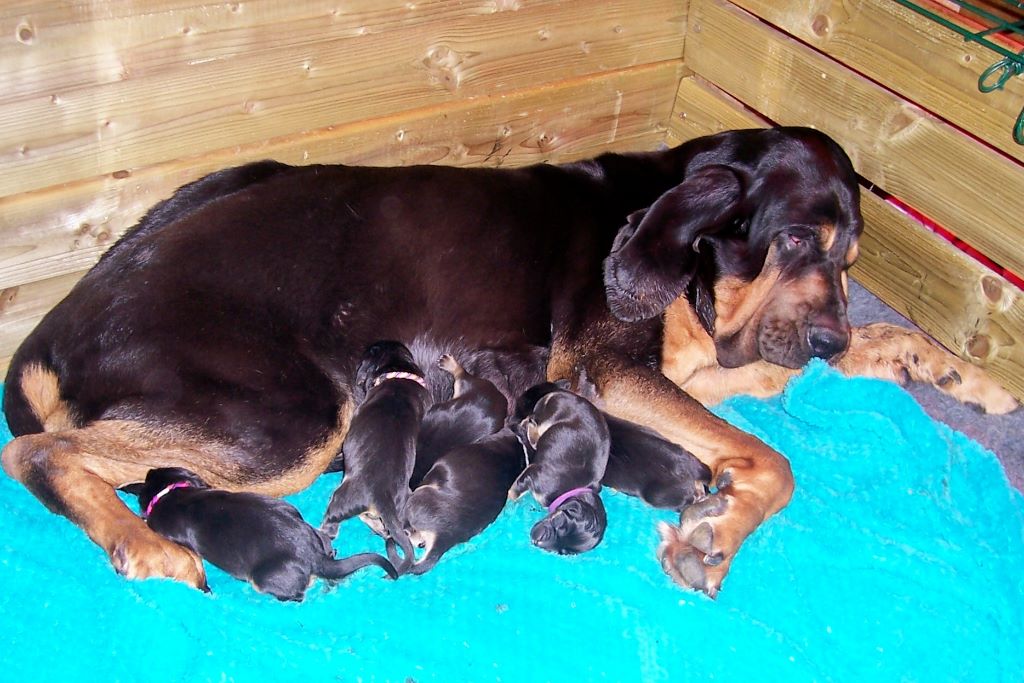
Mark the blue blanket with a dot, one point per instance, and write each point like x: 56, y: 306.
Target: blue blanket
x: 900, y: 558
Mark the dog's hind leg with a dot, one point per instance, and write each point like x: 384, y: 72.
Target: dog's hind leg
x: 346, y: 502
x: 74, y: 473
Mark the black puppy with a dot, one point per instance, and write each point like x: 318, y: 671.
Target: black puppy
x: 379, y: 451
x: 641, y: 462
x: 252, y: 537
x: 477, y: 408
x: 567, y: 440
x: 462, y: 493
x: 645, y: 464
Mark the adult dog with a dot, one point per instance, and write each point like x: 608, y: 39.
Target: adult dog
x: 222, y: 333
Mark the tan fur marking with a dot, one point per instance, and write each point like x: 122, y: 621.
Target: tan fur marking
x: 686, y: 346
x: 852, y: 253
x: 715, y: 384
x: 827, y: 236
x: 42, y: 393
x: 736, y: 302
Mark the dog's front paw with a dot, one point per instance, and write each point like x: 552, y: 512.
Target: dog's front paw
x: 689, y: 553
x: 891, y: 352
x: 144, y: 555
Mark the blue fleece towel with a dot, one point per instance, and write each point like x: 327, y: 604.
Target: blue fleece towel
x: 900, y: 558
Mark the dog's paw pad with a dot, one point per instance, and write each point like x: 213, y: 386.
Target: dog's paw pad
x: 711, y: 506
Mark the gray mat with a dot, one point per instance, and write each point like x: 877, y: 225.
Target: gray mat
x: 1001, y: 434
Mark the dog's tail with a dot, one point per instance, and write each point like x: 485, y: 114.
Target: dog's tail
x: 33, y: 402
x: 335, y: 569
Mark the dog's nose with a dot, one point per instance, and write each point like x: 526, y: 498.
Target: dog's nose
x: 826, y: 342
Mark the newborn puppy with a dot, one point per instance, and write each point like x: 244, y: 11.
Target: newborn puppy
x: 461, y: 494
x: 645, y: 464
x: 475, y: 410
x: 252, y: 537
x: 380, y: 448
x: 567, y: 443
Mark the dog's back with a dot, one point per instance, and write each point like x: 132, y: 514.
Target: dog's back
x: 462, y: 494
x: 476, y: 410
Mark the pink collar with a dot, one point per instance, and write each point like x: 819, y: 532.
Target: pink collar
x: 163, y: 492
x: 400, y: 375
x: 571, y: 493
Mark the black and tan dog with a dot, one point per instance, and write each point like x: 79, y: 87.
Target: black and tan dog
x: 462, y: 493
x: 379, y: 451
x: 567, y: 442
x: 477, y: 409
x: 223, y: 332
x: 252, y: 537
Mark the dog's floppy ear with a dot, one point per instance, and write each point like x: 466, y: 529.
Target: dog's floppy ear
x: 653, y: 257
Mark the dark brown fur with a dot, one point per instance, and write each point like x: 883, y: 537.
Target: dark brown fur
x: 223, y: 332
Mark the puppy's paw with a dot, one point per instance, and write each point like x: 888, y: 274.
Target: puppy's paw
x: 688, y: 552
x: 448, y: 363
x: 144, y: 555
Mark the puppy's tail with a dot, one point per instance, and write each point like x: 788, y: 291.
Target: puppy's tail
x: 335, y: 569
x: 397, y: 536
x: 427, y: 563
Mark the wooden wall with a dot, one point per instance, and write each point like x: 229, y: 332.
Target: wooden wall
x: 105, y: 109
x: 900, y: 94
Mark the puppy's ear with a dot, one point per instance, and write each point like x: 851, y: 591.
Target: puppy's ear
x: 654, y: 254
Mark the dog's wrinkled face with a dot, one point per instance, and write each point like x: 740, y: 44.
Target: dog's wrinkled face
x: 577, y: 526
x: 759, y: 237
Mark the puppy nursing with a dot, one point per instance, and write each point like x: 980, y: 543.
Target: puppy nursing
x: 379, y: 451
x: 252, y: 537
x: 568, y: 443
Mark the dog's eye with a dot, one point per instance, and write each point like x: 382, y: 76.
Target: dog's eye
x: 793, y: 241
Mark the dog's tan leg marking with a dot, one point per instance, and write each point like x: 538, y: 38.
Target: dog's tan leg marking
x: 74, y: 473
x: 73, y: 480
x: 901, y: 355
x: 754, y: 481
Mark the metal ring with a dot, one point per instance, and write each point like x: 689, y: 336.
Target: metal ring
x: 1006, y: 69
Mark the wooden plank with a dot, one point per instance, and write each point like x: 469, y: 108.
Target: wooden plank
x: 56, y: 234
x: 192, y: 81
x: 965, y: 186
x: 963, y: 305
x: 960, y: 303
x: 897, y: 47
x: 21, y: 309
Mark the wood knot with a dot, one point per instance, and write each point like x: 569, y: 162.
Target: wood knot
x: 993, y: 289
x: 7, y: 297
x: 821, y: 25
x: 26, y: 33
x: 444, y: 66
x: 979, y: 346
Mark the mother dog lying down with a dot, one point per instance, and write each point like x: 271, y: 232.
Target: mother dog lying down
x: 223, y: 332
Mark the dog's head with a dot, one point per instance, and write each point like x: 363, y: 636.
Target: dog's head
x: 159, y: 479
x: 382, y: 357
x: 758, y: 236
x: 574, y: 527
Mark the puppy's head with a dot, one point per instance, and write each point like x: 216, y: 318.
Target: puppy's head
x: 381, y: 357
x: 528, y: 399
x: 574, y: 527
x: 159, y: 479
